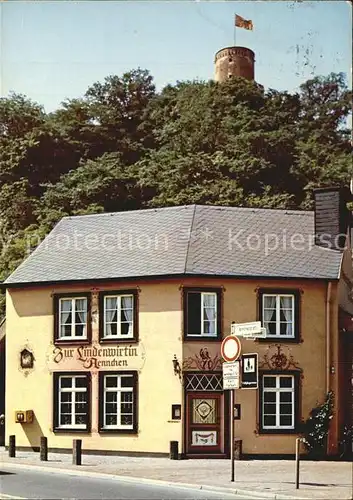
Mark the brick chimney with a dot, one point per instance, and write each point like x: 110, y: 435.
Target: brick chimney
x: 332, y: 217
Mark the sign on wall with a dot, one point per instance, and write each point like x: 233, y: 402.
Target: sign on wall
x: 231, y: 375
x: 249, y: 371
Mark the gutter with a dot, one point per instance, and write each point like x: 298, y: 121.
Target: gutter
x: 328, y: 335
x: 184, y: 275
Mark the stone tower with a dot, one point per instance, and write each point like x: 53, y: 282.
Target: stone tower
x: 234, y: 61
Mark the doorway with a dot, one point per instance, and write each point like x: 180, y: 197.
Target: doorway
x: 205, y: 416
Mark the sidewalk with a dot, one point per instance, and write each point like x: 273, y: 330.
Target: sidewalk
x: 266, y: 479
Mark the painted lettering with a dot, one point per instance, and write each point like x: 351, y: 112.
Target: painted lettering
x: 93, y: 357
x: 58, y: 355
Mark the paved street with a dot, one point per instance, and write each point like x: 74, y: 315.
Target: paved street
x: 261, y: 478
x: 21, y: 483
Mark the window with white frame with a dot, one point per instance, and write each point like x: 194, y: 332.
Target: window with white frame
x: 278, y: 315
x: 72, y: 401
x: 72, y: 318
x: 118, y: 401
x: 118, y: 316
x: 202, y: 314
x: 278, y: 402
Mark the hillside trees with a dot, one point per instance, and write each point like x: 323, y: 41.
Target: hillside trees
x: 125, y: 146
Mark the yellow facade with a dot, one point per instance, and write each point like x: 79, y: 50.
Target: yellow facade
x: 30, y: 325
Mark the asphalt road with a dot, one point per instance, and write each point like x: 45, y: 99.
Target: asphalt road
x: 27, y: 483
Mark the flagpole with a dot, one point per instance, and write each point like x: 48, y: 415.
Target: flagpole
x: 235, y: 36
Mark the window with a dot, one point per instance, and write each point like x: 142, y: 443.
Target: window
x: 279, y: 313
x: 118, y: 318
x: 71, y: 318
x: 71, y: 401
x: 118, y: 401
x: 202, y: 314
x: 278, y: 405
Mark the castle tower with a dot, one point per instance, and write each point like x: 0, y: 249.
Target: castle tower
x: 234, y: 61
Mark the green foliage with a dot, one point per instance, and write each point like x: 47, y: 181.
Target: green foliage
x: 316, y: 427
x: 124, y: 146
x: 346, y: 443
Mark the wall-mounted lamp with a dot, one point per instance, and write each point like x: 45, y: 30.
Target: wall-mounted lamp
x: 176, y: 366
x: 333, y: 370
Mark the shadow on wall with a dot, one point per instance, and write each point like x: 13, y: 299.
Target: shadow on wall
x: 28, y: 304
x: 33, y: 433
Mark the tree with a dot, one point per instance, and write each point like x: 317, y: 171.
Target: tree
x: 104, y: 184
x: 117, y: 109
x: 124, y: 146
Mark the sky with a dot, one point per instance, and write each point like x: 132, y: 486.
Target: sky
x: 52, y: 51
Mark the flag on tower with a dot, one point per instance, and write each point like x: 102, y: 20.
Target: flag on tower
x: 240, y: 22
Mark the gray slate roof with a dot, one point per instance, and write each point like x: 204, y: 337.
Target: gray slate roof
x: 184, y: 240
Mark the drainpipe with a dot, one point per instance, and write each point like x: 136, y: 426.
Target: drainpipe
x: 328, y: 336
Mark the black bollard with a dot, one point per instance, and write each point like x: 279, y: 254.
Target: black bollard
x: 12, y: 446
x: 174, y: 452
x: 77, y: 452
x: 43, y: 449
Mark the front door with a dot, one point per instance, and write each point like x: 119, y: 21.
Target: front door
x: 203, y: 410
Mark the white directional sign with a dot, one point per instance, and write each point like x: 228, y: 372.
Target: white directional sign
x: 252, y: 329
x: 231, y: 375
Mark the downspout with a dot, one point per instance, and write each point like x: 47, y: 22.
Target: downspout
x: 328, y: 335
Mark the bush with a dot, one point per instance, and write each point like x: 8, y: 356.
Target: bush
x: 316, y: 427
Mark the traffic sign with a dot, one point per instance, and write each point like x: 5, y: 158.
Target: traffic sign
x: 249, y: 371
x: 231, y: 375
x: 230, y: 348
x: 247, y: 330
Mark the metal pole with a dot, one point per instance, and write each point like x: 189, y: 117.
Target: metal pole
x: 297, y: 444
x: 232, y: 402
x: 351, y: 455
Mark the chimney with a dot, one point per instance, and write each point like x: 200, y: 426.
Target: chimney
x: 332, y: 217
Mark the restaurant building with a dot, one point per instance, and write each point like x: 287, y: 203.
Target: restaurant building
x: 114, y: 325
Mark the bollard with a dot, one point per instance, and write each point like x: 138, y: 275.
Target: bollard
x: 43, y: 449
x: 174, y: 452
x: 77, y: 452
x: 12, y: 446
x: 238, y: 446
x: 297, y: 471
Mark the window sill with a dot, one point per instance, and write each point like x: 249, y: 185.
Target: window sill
x: 278, y: 431
x: 118, y: 431
x: 282, y: 340
x: 71, y: 431
x: 118, y: 340
x: 202, y: 338
x: 80, y: 341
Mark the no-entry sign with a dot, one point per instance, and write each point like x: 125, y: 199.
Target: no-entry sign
x: 230, y: 348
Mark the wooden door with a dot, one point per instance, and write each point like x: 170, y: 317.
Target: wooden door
x: 204, y: 423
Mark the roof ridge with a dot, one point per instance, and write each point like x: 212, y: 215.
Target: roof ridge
x: 194, y: 205
x: 118, y: 212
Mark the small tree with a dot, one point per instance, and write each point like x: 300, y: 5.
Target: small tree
x: 316, y: 427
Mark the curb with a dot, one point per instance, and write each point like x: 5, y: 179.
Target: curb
x: 157, y: 482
